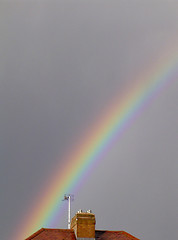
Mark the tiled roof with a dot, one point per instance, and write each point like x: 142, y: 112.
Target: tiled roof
x: 53, y: 234
x: 113, y: 235
x: 68, y: 234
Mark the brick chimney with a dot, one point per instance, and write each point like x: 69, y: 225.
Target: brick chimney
x: 83, y: 224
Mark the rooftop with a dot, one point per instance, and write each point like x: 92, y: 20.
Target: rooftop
x: 69, y: 234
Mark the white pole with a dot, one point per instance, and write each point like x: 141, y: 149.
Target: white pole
x: 69, y: 211
x: 69, y: 198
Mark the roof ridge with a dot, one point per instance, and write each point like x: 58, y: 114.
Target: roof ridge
x: 58, y: 229
x: 121, y: 231
x: 71, y: 231
x: 131, y: 236
x: 48, y: 229
x: 35, y: 234
x: 110, y: 230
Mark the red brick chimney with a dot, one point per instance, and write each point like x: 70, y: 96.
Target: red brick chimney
x: 83, y: 224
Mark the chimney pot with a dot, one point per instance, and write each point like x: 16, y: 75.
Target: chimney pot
x: 89, y: 211
x: 80, y: 211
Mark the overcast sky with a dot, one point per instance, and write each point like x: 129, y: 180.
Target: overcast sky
x: 61, y: 64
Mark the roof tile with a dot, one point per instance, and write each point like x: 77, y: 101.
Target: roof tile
x: 113, y: 235
x: 53, y: 234
x: 68, y: 234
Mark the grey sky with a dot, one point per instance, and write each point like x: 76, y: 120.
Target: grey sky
x: 61, y: 63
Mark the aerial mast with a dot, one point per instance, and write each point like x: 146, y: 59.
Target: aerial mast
x: 69, y: 198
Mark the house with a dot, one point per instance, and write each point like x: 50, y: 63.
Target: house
x: 82, y: 228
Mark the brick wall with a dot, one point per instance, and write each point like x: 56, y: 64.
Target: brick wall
x: 84, y: 225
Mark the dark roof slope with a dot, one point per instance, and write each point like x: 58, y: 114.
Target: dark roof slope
x: 53, y: 234
x: 113, y: 235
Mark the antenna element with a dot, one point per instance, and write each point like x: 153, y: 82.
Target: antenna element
x: 69, y: 198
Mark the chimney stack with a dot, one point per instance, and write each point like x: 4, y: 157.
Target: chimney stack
x: 83, y: 223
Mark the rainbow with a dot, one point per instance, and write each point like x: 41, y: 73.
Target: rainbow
x: 97, y: 142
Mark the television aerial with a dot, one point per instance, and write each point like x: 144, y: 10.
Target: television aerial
x: 69, y: 198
